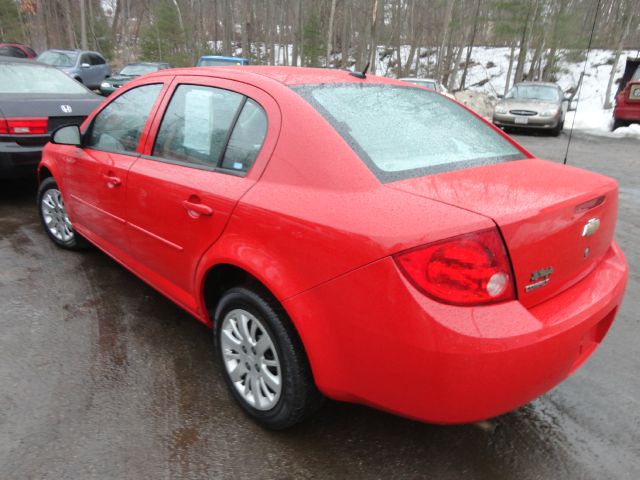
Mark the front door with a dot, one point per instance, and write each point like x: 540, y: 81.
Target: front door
x: 182, y: 194
x: 96, y: 174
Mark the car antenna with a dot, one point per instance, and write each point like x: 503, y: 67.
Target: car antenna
x: 363, y: 73
x: 584, y: 69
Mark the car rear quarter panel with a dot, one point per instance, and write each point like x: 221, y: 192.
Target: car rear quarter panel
x: 318, y: 212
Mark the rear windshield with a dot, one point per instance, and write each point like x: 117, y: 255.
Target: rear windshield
x: 138, y: 69
x: 405, y: 132
x: 58, y: 59
x: 217, y: 62
x: 34, y: 78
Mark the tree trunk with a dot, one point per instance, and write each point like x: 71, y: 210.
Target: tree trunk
x: 445, y: 34
x: 83, y: 26
x: 330, y: 33
x: 345, y: 38
x: 511, y: 55
x: 373, y: 48
x: 472, y: 41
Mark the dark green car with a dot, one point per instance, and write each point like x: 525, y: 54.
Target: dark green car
x: 128, y: 73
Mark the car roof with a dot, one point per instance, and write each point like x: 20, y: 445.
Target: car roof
x: 404, y: 79
x: 146, y: 63
x: 221, y: 57
x: 284, y: 75
x: 542, y: 84
x: 69, y: 50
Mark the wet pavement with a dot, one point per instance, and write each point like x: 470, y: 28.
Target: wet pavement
x: 102, y: 377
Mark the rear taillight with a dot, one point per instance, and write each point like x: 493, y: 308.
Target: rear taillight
x: 469, y: 269
x: 24, y: 126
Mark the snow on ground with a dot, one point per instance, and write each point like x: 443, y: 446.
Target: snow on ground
x: 488, y: 74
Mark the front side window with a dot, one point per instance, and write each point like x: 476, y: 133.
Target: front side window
x: 196, y: 125
x: 117, y: 128
x: 406, y: 132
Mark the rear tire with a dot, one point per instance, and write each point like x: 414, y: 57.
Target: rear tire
x: 618, y: 124
x: 262, y: 359
x: 54, y: 218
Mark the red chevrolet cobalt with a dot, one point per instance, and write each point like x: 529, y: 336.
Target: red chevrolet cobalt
x: 356, y: 238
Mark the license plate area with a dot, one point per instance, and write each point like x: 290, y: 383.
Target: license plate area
x: 521, y: 120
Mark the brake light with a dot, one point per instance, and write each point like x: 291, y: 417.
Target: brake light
x: 24, y: 126
x: 469, y: 269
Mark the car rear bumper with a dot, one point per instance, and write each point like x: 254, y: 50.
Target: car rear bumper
x: 628, y: 113
x: 17, y: 160
x: 372, y: 338
x: 534, y: 121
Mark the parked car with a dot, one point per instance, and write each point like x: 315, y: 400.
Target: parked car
x: 17, y: 50
x: 220, y: 61
x: 88, y: 68
x: 35, y: 99
x: 128, y: 73
x: 532, y: 105
x: 348, y: 236
x: 429, y: 83
x: 627, y: 108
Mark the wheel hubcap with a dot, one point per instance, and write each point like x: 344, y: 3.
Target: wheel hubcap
x: 55, y: 216
x: 250, y: 359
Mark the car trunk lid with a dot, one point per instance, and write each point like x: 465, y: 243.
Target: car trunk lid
x: 557, y: 221
x: 58, y: 111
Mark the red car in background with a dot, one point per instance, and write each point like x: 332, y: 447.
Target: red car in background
x: 627, y: 108
x: 346, y: 236
x: 17, y: 50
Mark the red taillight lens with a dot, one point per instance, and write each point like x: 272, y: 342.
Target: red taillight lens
x: 470, y: 269
x: 24, y: 126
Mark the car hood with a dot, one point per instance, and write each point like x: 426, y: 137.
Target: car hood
x: 527, y: 104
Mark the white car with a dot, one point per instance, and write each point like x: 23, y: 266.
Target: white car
x: 429, y: 83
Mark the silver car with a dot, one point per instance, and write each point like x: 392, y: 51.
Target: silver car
x: 89, y: 68
x: 532, y: 105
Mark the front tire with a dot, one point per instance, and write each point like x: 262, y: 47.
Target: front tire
x: 262, y: 358
x: 54, y: 218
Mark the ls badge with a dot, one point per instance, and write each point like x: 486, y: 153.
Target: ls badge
x: 540, y: 278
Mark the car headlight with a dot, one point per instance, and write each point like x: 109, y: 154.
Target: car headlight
x: 501, y: 110
x: 549, y: 113
x: 105, y: 85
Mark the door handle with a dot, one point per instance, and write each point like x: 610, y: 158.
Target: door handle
x: 112, y: 181
x: 196, y: 209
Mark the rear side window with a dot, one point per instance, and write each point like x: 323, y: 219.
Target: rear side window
x: 96, y: 59
x: 405, y: 132
x: 247, y: 138
x: 117, y: 128
x: 11, y: 51
x: 211, y: 127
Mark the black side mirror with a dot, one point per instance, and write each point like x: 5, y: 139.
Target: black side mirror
x: 67, y: 135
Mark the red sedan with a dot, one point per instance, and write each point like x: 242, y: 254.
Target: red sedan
x: 355, y: 238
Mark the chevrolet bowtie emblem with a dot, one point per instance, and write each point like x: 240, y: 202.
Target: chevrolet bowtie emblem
x: 591, y: 227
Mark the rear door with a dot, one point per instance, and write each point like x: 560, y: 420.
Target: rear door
x: 96, y: 175
x: 210, y: 147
